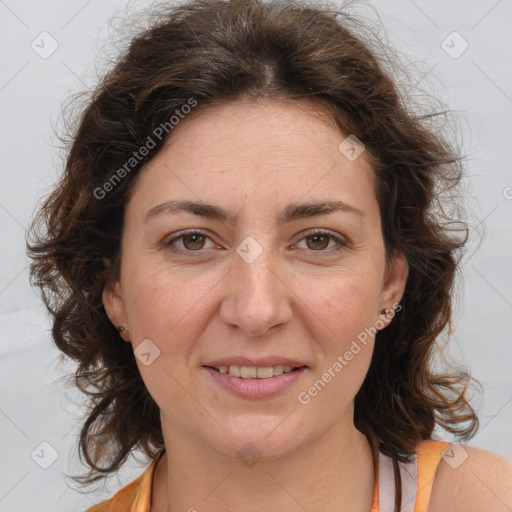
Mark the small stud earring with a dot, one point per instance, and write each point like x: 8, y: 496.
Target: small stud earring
x: 121, y: 328
x: 384, y: 311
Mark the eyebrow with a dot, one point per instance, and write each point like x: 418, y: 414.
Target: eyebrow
x: 293, y: 211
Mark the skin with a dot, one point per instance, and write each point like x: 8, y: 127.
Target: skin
x: 483, y: 482
x: 255, y: 158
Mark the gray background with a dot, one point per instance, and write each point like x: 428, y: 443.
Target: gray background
x: 36, y: 407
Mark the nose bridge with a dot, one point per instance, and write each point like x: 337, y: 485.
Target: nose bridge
x: 254, y: 265
x: 258, y: 300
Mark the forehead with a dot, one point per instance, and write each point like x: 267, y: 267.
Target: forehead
x: 256, y: 151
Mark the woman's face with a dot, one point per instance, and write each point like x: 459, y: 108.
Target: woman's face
x: 251, y: 283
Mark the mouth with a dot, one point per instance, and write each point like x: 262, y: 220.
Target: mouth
x: 255, y: 382
x: 255, y: 372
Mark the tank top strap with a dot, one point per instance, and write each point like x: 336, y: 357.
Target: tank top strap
x: 429, y: 455
x: 417, y: 477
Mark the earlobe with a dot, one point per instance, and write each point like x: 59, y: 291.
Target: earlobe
x: 113, y: 304
x: 394, y: 286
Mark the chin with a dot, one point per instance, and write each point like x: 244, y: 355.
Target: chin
x: 257, y: 437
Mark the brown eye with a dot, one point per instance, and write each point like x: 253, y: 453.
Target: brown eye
x: 318, y: 241
x: 196, y: 241
x: 323, y: 243
x: 188, y: 242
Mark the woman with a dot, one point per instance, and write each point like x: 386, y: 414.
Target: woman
x: 246, y: 259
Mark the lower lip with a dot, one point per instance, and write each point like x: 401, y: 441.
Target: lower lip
x: 256, y: 388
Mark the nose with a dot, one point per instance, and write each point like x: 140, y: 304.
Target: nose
x: 258, y: 295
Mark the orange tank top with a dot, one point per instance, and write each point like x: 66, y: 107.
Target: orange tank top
x: 417, y: 479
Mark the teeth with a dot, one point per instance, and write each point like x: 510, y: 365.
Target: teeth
x: 253, y: 372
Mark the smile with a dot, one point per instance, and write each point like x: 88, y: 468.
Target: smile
x: 241, y: 382
x: 255, y: 372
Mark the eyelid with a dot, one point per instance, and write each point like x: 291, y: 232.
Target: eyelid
x: 339, y: 239
x: 342, y: 242
x: 180, y: 234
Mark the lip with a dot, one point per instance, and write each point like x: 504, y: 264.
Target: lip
x: 246, y: 361
x: 256, y: 388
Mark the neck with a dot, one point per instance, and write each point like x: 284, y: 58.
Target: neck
x: 331, y: 473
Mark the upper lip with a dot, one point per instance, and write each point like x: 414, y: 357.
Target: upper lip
x: 246, y: 361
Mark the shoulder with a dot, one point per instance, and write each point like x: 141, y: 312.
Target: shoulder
x: 475, y: 480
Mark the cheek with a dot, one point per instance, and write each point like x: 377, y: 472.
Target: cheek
x: 168, y: 309
x: 345, y: 319
x: 345, y: 306
x: 165, y: 305
x: 345, y: 340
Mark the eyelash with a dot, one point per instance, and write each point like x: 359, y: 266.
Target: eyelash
x: 342, y: 244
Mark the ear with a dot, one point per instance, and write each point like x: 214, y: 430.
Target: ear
x: 395, y: 279
x: 114, y: 307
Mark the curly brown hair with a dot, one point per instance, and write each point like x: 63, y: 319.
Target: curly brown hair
x: 220, y: 50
